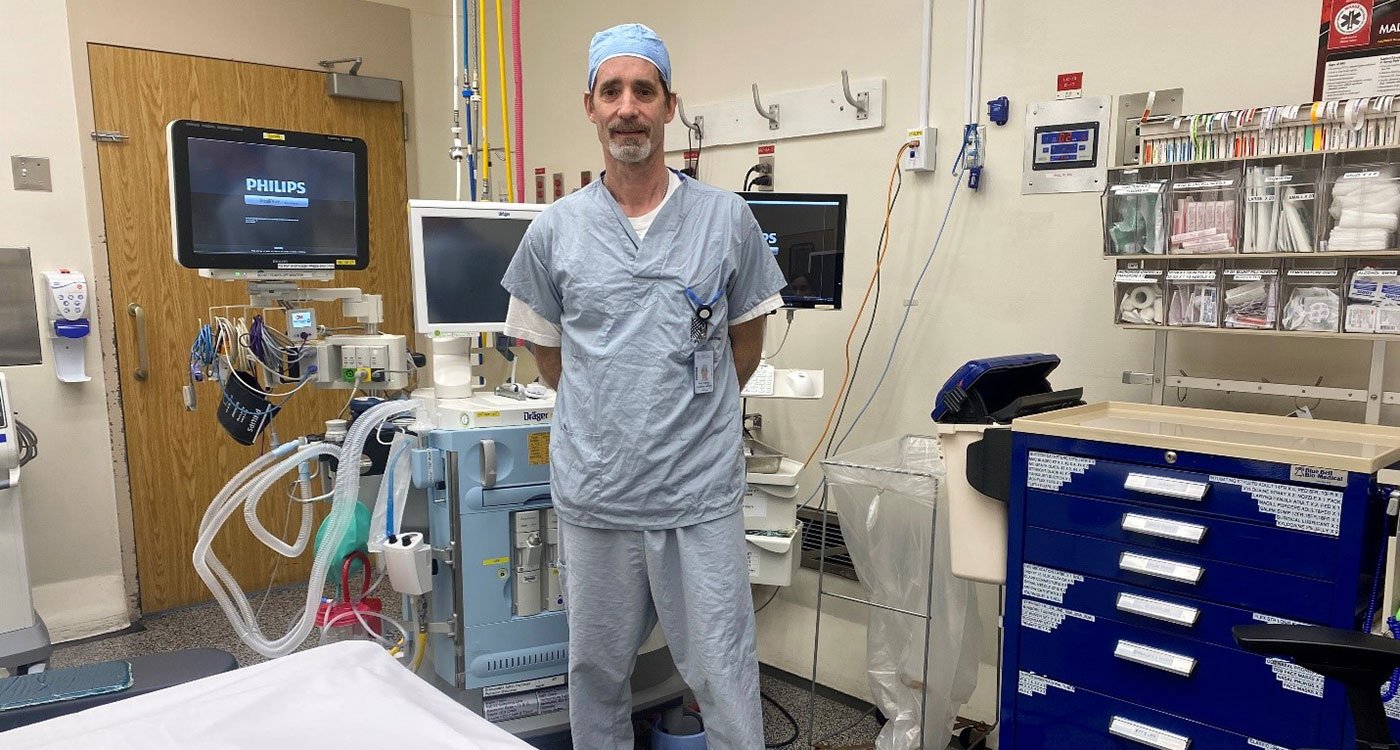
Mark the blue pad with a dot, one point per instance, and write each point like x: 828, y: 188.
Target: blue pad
x: 64, y: 684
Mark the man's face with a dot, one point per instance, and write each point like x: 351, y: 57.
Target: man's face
x: 630, y: 108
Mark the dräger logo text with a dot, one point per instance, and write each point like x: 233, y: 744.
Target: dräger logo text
x: 535, y: 416
x: 275, y: 186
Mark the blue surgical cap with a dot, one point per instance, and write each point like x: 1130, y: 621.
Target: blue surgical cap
x: 631, y: 39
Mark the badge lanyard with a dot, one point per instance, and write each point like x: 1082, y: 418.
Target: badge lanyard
x: 700, y: 323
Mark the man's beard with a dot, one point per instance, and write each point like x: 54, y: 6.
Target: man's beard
x: 633, y: 149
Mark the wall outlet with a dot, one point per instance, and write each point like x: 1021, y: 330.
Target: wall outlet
x: 765, y: 168
x: 920, y: 156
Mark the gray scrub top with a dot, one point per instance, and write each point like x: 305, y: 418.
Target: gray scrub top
x: 633, y: 446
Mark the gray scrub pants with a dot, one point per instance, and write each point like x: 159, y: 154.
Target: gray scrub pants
x: 696, y: 579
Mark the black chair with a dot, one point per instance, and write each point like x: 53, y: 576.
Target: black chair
x: 1361, y: 662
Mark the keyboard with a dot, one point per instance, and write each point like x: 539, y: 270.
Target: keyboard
x: 761, y: 384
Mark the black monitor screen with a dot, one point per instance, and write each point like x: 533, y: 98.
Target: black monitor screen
x: 464, y: 260
x: 807, y: 234
x: 251, y: 198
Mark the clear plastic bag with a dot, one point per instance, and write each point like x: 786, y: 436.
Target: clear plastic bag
x: 884, y: 495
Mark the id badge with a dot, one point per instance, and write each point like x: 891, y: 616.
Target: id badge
x: 704, y: 361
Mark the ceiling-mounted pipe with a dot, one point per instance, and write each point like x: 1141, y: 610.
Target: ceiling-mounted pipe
x: 519, y: 96
x: 483, y: 120
x: 505, y: 99
x: 926, y: 65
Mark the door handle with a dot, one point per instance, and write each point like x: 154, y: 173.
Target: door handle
x: 1146, y: 735
x: 488, y: 464
x: 1179, y: 489
x: 1155, y: 658
x: 143, y: 351
x: 1163, y: 528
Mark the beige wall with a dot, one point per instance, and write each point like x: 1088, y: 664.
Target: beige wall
x: 78, y: 514
x: 1014, y: 273
x: 69, y: 493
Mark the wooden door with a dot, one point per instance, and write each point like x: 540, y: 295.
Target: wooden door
x: 178, y: 459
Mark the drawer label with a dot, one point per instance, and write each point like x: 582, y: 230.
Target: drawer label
x: 1164, y: 528
x: 1032, y: 684
x: 1047, y: 583
x: 754, y: 504
x: 1047, y: 618
x: 1317, y: 475
x: 1050, y: 471
x: 493, y: 691
x: 1271, y: 620
x: 1265, y: 745
x: 1131, y: 730
x: 1160, y: 568
x: 1155, y: 658
x: 1295, y: 678
x: 1158, y: 609
x: 1310, y: 509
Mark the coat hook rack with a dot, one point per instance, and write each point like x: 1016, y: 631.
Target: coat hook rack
x: 860, y: 101
x: 770, y: 114
x: 697, y: 126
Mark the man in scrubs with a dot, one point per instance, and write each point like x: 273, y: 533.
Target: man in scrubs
x: 644, y: 296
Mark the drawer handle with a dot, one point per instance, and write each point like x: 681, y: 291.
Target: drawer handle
x: 1158, y: 609
x: 1155, y: 658
x: 1156, y: 567
x: 1143, y: 734
x: 1166, y: 486
x: 1164, y: 528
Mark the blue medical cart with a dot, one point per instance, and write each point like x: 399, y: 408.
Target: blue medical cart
x: 1140, y: 535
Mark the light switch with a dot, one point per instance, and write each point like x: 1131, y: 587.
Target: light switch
x: 31, y: 173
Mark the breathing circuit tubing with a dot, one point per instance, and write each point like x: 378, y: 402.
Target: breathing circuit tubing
x: 247, y: 488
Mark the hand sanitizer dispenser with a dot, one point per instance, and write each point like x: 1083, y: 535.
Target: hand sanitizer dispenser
x: 67, y: 323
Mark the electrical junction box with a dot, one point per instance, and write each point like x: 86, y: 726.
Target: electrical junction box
x: 920, y: 157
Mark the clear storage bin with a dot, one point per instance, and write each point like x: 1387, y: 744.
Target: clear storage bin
x: 1135, y: 212
x: 1205, y: 211
x: 1373, y: 298
x: 1193, y: 296
x: 1141, y: 296
x: 1280, y: 206
x: 1249, y: 296
x: 1363, y: 203
x: 1312, y: 296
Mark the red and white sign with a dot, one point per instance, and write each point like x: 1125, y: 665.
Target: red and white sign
x: 1070, y: 81
x: 1351, y: 24
x: 767, y: 149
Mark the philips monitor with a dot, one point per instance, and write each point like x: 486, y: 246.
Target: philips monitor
x: 265, y: 200
x: 807, y: 234
x: 460, y: 253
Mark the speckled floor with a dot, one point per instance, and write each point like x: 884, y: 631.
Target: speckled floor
x: 837, y: 725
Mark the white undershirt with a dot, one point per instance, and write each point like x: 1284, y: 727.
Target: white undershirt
x: 523, y: 322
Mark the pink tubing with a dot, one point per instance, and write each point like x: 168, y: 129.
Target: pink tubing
x: 519, y: 96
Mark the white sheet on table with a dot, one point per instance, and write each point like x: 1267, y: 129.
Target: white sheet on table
x: 343, y: 695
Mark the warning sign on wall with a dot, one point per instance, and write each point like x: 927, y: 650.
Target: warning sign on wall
x: 1358, y: 49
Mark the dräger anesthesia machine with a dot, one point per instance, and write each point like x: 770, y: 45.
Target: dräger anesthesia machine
x: 499, y: 639
x: 24, y: 641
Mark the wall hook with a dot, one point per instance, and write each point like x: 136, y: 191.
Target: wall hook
x: 860, y: 101
x: 697, y: 126
x: 770, y: 114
